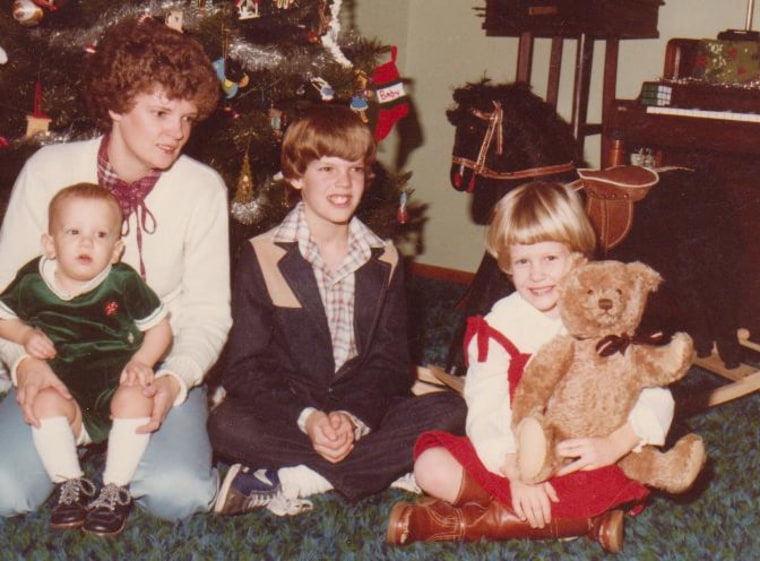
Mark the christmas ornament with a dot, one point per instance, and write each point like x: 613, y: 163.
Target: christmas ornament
x: 359, y: 105
x: 326, y: 91
x: 402, y: 215
x: 359, y: 100
x: 229, y: 87
x: 245, y: 208
x: 38, y: 121
x: 389, y: 89
x: 174, y: 19
x: 247, y: 9
x: 27, y: 12
x: 277, y: 120
x: 31, y: 12
x: 3, y: 56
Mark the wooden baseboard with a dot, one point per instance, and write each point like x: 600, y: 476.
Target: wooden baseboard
x: 440, y: 273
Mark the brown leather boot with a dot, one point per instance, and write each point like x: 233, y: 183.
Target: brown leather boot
x: 436, y: 520
x: 470, y: 491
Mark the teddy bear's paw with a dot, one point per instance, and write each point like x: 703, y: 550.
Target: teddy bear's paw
x: 690, y: 456
x: 693, y: 449
x: 682, y: 346
x: 532, y: 449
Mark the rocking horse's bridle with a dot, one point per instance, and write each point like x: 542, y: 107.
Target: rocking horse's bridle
x: 495, y: 128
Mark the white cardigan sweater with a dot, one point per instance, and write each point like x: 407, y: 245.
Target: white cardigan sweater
x: 186, y: 258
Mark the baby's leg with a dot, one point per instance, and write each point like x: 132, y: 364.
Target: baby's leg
x: 130, y: 410
x: 56, y: 437
x: 56, y: 443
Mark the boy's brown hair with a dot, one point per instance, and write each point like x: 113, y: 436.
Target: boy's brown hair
x: 83, y: 191
x: 326, y: 130
x: 535, y: 212
x: 134, y: 57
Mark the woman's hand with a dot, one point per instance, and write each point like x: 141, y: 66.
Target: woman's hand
x: 32, y: 376
x: 164, y: 392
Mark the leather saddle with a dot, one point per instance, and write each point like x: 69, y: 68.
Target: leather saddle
x: 610, y: 197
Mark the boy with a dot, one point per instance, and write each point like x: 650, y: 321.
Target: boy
x: 318, y: 376
x: 101, y: 329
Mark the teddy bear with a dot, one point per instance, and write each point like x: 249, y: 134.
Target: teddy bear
x: 584, y: 383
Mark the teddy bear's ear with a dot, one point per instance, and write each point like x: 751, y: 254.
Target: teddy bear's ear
x: 577, y: 259
x: 649, y: 278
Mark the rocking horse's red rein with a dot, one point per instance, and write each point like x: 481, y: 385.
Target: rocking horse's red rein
x: 479, y: 167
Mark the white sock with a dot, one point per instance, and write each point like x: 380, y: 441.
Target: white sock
x: 301, y: 481
x: 125, y: 450
x: 57, y: 448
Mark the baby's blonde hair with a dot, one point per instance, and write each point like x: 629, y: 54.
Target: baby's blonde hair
x: 83, y: 191
x: 535, y: 212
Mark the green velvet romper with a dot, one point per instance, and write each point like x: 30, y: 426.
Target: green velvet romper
x: 95, y: 333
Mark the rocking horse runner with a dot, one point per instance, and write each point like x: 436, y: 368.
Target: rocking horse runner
x: 506, y: 135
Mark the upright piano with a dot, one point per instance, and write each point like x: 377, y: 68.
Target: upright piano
x: 704, y: 114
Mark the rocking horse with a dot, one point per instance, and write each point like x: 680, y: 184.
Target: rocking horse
x: 506, y: 136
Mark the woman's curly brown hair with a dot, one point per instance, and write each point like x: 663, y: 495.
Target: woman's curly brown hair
x: 134, y: 57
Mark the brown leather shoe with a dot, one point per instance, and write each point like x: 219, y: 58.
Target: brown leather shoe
x: 427, y: 520
x: 608, y: 530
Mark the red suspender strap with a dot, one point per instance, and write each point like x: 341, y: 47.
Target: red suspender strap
x: 478, y: 327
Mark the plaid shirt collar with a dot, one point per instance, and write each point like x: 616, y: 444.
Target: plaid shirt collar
x: 361, y: 240
x: 131, y: 197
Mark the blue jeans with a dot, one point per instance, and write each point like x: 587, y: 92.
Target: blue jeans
x: 174, y: 480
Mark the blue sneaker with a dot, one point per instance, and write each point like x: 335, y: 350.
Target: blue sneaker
x: 244, y: 490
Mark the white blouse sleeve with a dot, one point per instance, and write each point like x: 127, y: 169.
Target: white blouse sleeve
x: 652, y: 415
x: 489, y: 412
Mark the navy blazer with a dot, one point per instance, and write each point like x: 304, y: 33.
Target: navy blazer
x: 280, y: 350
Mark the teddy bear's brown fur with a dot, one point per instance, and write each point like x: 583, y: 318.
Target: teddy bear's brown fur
x: 569, y: 390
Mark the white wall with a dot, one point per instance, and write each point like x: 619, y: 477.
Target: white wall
x: 442, y: 46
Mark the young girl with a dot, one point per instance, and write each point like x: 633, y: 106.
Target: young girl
x: 537, y: 233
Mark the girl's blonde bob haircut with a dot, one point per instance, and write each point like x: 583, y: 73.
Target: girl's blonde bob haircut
x: 535, y: 212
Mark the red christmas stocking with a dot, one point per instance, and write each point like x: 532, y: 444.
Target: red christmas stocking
x: 394, y: 103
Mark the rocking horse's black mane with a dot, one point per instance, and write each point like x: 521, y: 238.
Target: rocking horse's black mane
x: 532, y: 127
x: 534, y: 136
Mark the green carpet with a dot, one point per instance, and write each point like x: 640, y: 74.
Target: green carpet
x: 718, y: 520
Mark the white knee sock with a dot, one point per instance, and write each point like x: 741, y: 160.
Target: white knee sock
x: 125, y: 450
x: 301, y: 481
x: 57, y: 448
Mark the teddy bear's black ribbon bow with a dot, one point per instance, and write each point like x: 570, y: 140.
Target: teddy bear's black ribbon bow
x: 612, y: 344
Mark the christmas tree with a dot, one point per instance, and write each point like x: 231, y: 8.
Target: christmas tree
x: 273, y: 59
